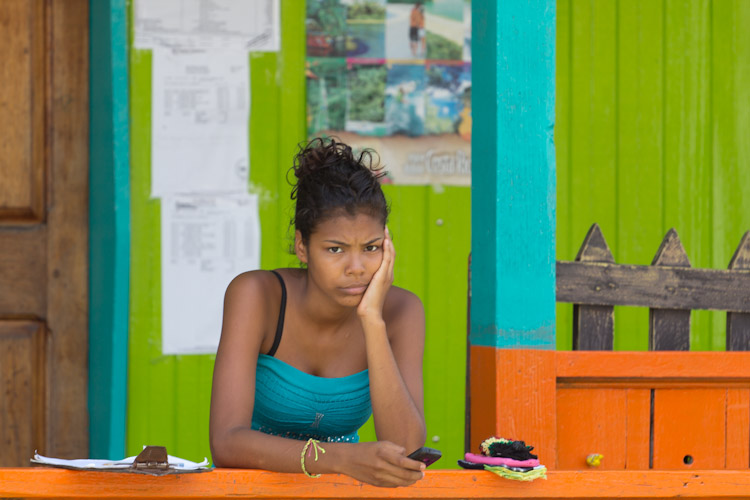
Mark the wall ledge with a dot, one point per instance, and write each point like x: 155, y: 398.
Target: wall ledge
x: 42, y: 482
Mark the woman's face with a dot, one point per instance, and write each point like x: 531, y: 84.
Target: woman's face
x: 342, y: 255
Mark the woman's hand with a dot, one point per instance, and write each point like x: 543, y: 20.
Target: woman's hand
x: 382, y: 463
x: 371, y: 305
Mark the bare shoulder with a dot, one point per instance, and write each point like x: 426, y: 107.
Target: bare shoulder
x: 252, y: 294
x: 402, y: 305
x: 253, y: 285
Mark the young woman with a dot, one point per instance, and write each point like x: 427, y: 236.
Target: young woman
x: 307, y: 354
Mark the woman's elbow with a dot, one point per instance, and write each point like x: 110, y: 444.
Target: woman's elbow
x: 221, y: 452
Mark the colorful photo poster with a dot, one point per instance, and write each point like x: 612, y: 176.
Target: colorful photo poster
x: 394, y: 76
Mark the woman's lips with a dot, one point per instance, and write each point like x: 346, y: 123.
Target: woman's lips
x: 355, y: 290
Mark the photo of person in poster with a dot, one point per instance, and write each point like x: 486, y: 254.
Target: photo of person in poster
x: 416, y: 30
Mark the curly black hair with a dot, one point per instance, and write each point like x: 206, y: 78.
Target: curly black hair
x: 332, y: 181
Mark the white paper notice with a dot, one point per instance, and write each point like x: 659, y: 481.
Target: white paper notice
x: 250, y: 25
x: 206, y: 242
x: 200, y: 112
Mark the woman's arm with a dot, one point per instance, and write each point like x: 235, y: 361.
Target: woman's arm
x: 394, y: 356
x: 235, y: 444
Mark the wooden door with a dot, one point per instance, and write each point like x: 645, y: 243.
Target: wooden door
x: 43, y: 229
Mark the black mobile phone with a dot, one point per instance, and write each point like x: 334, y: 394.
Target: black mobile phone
x: 427, y: 456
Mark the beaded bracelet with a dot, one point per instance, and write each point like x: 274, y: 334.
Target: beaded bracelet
x: 316, y: 447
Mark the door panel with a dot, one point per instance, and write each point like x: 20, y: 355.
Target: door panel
x: 689, y: 428
x: 22, y: 387
x: 22, y: 102
x: 43, y: 229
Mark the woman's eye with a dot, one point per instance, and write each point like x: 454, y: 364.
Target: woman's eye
x: 372, y: 248
x: 334, y: 249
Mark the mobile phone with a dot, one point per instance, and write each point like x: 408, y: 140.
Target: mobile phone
x: 427, y: 456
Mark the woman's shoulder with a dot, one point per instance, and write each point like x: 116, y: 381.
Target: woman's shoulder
x: 401, y: 302
x: 259, y: 287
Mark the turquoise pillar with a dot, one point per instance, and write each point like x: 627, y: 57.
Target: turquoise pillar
x: 513, y: 174
x: 109, y: 227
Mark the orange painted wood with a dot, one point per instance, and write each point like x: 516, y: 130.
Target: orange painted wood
x: 657, y: 365
x: 638, y: 402
x: 235, y: 483
x: 526, y: 401
x: 738, y: 429
x: 689, y: 422
x: 591, y: 421
x: 482, y: 377
x: 513, y: 396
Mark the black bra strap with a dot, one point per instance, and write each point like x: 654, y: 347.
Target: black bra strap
x: 282, y: 311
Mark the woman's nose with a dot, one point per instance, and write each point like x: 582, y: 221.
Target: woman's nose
x: 355, y: 266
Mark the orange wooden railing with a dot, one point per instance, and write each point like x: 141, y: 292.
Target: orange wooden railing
x: 232, y: 483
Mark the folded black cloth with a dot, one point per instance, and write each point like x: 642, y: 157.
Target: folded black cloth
x: 500, y: 447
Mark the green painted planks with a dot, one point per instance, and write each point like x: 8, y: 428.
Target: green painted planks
x: 639, y: 151
x: 448, y: 237
x: 566, y: 243
x: 688, y: 120
x: 731, y: 113
x: 590, y: 173
x: 151, y: 412
x: 655, y: 98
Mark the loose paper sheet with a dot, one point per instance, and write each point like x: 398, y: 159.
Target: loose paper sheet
x: 98, y: 464
x: 200, y: 113
x: 206, y: 242
x: 250, y: 25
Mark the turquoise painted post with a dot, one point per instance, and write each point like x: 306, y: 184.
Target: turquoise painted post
x: 109, y: 227
x: 513, y: 174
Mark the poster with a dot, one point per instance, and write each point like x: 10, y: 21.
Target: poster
x: 394, y: 76
x: 199, y: 123
x: 205, y: 242
x: 250, y: 25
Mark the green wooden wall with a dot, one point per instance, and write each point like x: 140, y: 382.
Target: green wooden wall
x: 168, y: 401
x: 653, y: 132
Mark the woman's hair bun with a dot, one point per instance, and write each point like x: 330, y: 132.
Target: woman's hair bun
x: 330, y: 177
x: 324, y: 153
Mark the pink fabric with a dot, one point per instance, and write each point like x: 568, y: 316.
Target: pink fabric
x: 481, y: 459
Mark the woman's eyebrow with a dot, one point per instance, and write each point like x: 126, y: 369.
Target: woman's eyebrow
x: 342, y: 244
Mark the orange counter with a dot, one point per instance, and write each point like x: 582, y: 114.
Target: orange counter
x: 234, y: 483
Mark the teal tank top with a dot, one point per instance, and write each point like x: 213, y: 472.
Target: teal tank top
x: 294, y: 404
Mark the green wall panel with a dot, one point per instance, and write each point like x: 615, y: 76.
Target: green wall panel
x: 168, y: 401
x: 653, y: 107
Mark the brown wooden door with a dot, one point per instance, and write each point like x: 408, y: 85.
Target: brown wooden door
x: 43, y: 229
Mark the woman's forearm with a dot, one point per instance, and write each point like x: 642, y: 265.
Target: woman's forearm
x: 397, y: 417
x: 246, y: 448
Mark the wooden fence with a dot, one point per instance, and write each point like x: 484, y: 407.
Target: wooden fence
x: 669, y: 287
